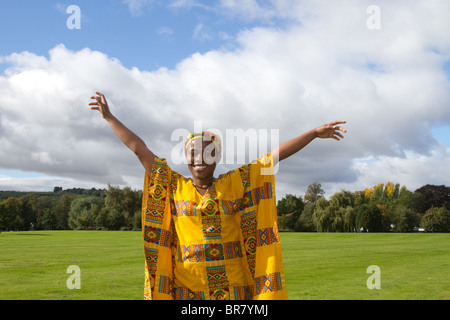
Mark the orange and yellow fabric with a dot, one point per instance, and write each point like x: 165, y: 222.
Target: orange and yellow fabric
x: 224, y: 245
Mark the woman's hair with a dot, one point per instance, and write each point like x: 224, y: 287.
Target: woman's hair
x: 205, y: 136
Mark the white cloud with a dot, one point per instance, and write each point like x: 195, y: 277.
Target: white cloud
x: 136, y: 7
x: 43, y: 183
x: 164, y: 31
x: 389, y: 84
x: 412, y: 170
x: 42, y: 157
x: 202, y: 32
x: 250, y: 9
x: 188, y: 4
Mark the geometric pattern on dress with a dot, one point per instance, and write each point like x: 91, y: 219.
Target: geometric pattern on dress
x: 250, y: 198
x: 209, y: 252
x: 212, y: 229
x: 246, y: 201
x: 210, y: 207
x: 264, y: 192
x: 157, y: 236
x: 154, y: 214
x: 211, y: 222
x: 218, y: 283
x: 248, y: 227
x: 244, y: 292
x: 151, y: 255
x: 165, y: 285
x: 157, y: 192
x: 181, y: 293
x: 244, y: 171
x: 268, y: 283
x: 231, y: 207
x: 267, y: 236
x: 185, y: 208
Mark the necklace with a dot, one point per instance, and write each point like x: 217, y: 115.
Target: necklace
x: 205, y: 186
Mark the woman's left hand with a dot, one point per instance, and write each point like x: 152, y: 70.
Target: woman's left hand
x: 331, y: 130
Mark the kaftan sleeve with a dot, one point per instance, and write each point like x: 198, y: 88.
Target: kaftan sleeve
x: 158, y: 230
x: 260, y: 230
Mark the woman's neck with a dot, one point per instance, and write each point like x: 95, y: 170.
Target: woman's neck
x: 203, y: 183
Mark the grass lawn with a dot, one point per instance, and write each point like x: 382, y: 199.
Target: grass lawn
x: 33, y: 265
x: 331, y: 266
x: 334, y: 265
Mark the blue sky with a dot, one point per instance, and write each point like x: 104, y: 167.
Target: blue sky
x: 148, y: 36
x: 255, y: 65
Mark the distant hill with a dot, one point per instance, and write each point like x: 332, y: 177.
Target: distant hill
x: 57, y: 192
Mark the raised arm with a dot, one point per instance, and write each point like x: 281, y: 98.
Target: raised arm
x: 287, y: 149
x: 130, y: 139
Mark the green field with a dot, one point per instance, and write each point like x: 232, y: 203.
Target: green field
x: 329, y: 266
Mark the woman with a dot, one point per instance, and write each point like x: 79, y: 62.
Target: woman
x: 205, y: 237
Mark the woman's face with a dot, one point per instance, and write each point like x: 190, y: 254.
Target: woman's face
x: 200, y: 156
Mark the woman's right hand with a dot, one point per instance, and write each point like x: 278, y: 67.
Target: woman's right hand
x: 130, y: 139
x: 101, y: 105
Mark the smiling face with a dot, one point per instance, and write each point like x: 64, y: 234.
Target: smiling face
x: 200, y: 156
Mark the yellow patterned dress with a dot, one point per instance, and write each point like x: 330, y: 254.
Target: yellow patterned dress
x: 221, y: 246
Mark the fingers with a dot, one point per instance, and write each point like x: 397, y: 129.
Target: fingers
x: 95, y: 98
x: 337, y: 122
x: 97, y: 104
x: 336, y: 130
x: 337, y: 136
x: 100, y: 95
x: 336, y: 127
x: 339, y: 128
x: 100, y: 99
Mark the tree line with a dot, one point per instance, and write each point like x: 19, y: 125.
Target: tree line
x: 382, y: 208
x: 77, y: 209
x: 385, y: 207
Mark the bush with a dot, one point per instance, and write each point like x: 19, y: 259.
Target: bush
x: 436, y: 220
